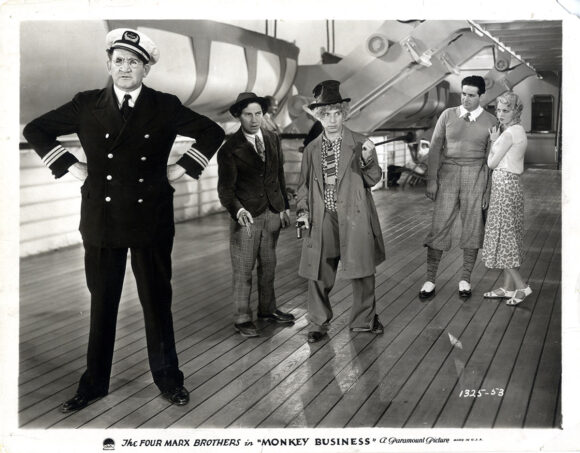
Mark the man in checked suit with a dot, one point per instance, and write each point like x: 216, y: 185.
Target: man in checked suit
x: 127, y: 131
x: 252, y: 188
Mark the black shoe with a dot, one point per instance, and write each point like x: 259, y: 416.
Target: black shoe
x: 315, y: 336
x: 464, y: 289
x: 178, y: 396
x: 278, y: 316
x: 424, y: 294
x: 247, y: 329
x: 76, y: 403
x: 377, y: 327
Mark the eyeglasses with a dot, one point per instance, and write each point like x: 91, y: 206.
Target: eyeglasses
x: 133, y: 63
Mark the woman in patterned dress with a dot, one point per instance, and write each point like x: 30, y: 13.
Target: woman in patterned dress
x: 504, y: 230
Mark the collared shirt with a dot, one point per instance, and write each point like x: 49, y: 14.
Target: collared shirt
x: 121, y: 94
x: 329, y: 157
x: 472, y: 115
x: 252, y: 138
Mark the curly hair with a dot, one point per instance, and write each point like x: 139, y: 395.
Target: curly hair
x: 514, y: 103
x: 344, y: 107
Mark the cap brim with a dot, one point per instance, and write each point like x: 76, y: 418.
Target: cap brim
x: 141, y: 53
x: 322, y: 104
x: 241, y: 105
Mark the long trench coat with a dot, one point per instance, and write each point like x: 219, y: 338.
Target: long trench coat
x: 361, y: 241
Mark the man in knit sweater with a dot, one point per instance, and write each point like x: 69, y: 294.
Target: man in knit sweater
x: 457, y: 181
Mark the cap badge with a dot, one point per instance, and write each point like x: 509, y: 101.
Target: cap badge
x: 131, y: 36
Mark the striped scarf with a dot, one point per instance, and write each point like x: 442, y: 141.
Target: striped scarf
x: 330, y: 157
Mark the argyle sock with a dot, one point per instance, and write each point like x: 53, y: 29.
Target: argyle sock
x: 469, y: 257
x: 433, y: 258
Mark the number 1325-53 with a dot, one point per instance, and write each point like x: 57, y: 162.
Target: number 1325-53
x: 472, y: 393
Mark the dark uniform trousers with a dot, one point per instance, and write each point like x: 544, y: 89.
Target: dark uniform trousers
x: 363, y: 289
x: 127, y: 203
x: 105, y: 271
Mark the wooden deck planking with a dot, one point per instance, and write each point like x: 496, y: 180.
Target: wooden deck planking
x: 129, y: 321
x: 534, y: 320
x: 343, y: 295
x: 505, y: 362
x: 131, y: 324
x: 385, y: 392
x: 465, y: 370
x: 430, y: 401
x: 71, y: 299
x: 325, y: 360
x: 416, y: 356
x: 469, y: 322
x: 387, y: 361
x: 357, y: 370
x: 448, y: 343
x: 329, y: 371
x: 542, y: 407
x: 185, y: 292
x: 506, y: 339
x: 280, y: 380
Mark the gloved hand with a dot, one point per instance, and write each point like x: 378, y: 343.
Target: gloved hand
x: 303, y: 222
x: 174, y: 172
x: 79, y: 170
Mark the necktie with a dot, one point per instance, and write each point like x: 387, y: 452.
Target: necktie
x: 467, y: 117
x: 260, y: 148
x: 125, y: 109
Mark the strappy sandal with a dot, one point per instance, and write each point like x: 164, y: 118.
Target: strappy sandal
x: 499, y: 293
x: 519, y: 296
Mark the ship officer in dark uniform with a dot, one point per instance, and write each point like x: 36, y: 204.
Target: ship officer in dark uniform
x: 127, y: 131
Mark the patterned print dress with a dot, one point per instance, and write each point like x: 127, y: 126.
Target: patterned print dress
x: 504, y: 229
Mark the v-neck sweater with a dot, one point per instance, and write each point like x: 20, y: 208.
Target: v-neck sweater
x: 457, y: 141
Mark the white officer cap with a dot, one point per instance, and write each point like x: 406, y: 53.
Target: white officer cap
x: 134, y: 41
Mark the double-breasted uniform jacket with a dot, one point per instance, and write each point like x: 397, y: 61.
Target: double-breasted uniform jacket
x: 361, y: 240
x: 245, y: 181
x: 127, y: 200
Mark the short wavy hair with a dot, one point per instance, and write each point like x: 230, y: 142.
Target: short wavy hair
x: 514, y: 103
x: 344, y: 107
x: 475, y: 81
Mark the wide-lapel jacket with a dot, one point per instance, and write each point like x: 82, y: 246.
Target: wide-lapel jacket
x: 127, y: 200
x: 247, y: 182
x: 361, y: 240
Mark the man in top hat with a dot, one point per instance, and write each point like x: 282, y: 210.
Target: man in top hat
x: 252, y: 187
x: 127, y: 131
x: 457, y: 181
x: 337, y: 211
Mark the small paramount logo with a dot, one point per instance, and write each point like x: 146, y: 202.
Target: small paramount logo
x: 108, y: 444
